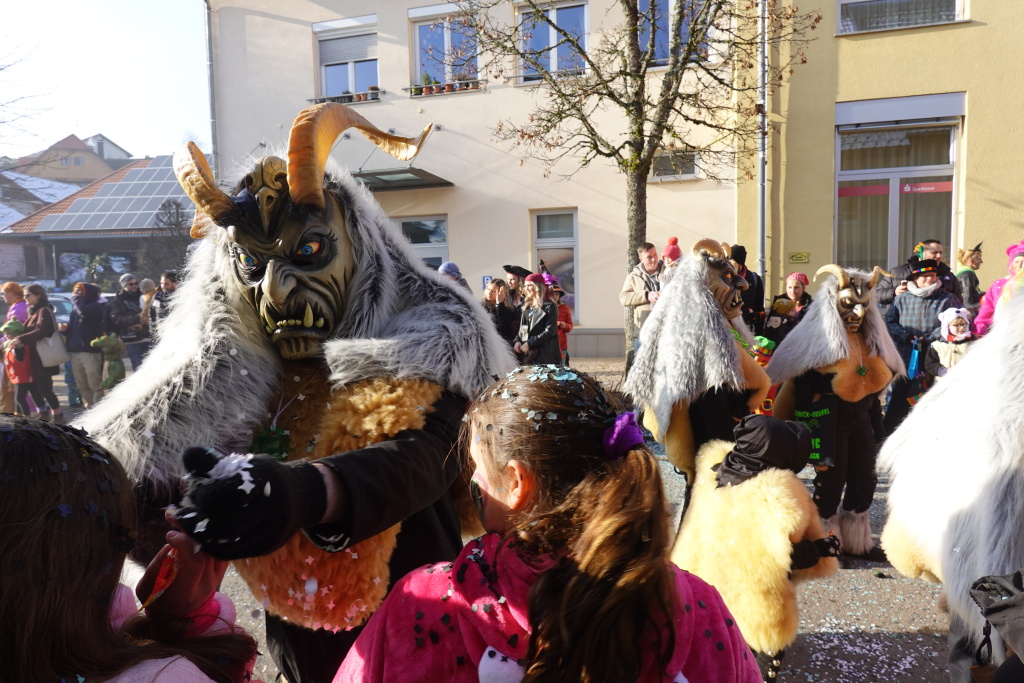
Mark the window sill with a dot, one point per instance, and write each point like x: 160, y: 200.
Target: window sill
x: 672, y: 178
x: 456, y: 88
x: 354, y: 98
x: 903, y: 28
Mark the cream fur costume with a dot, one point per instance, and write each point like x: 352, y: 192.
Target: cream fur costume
x: 215, y: 379
x: 739, y: 539
x: 956, y: 497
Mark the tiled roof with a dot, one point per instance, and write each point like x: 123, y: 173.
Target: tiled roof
x: 31, y: 222
x: 70, y: 142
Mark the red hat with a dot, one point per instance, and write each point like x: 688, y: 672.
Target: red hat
x: 535, y: 278
x: 672, y: 249
x: 799, y: 277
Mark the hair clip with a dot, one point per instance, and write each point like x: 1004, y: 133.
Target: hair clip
x: 622, y: 436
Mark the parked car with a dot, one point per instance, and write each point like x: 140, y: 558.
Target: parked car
x: 61, y: 306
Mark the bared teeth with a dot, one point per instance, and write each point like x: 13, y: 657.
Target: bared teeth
x: 319, y: 322
x: 307, y: 319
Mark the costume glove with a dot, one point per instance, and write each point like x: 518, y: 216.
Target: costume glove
x: 247, y: 505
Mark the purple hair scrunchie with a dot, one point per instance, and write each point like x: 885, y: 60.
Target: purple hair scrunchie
x: 623, y: 436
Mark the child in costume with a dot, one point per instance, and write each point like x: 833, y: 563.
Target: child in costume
x: 17, y: 365
x: 833, y: 367
x: 564, y: 321
x: 753, y: 531
x: 113, y: 353
x: 787, y: 309
x: 954, y: 340
x: 66, y: 524
x: 571, y: 582
x: 993, y: 297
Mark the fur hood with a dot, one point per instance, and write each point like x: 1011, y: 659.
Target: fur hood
x: 212, y: 374
x: 686, y: 346
x: 820, y: 339
x: 956, y: 509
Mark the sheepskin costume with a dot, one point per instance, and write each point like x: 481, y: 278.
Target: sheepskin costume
x: 214, y: 378
x: 687, y: 348
x: 955, y: 467
x: 740, y: 538
x: 861, y: 364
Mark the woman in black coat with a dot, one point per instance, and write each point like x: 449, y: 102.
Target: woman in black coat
x: 40, y: 325
x: 503, y: 313
x: 537, y: 341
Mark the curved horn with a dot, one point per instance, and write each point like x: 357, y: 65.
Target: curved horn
x: 875, y: 274
x: 728, y: 249
x: 313, y: 135
x: 196, y: 178
x: 709, y: 245
x: 838, y: 271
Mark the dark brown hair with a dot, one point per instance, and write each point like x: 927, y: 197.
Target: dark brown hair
x: 66, y: 519
x: 594, y: 615
x: 43, y: 300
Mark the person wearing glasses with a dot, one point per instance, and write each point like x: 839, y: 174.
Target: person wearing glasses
x: 128, y: 321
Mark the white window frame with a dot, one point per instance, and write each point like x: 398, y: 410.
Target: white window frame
x: 560, y: 243
x: 714, y: 55
x: 952, y: 168
x: 522, y: 77
x: 433, y: 249
x: 960, y: 17
x: 443, y: 20
x: 343, y: 28
x: 696, y: 175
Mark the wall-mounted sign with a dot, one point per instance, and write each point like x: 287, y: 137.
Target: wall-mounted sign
x: 487, y: 278
x: 799, y: 257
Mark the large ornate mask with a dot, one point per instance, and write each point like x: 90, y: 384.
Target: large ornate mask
x: 725, y: 284
x: 287, y: 237
x: 853, y: 295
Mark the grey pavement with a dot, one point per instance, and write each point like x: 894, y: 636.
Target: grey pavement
x: 867, y: 623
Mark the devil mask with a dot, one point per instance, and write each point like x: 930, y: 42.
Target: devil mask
x: 853, y: 294
x: 725, y: 283
x: 287, y: 237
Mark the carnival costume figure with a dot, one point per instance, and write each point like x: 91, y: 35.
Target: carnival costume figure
x: 692, y: 377
x: 969, y: 261
x: 833, y: 368
x: 955, y: 467
x: 752, y: 530
x: 308, y: 330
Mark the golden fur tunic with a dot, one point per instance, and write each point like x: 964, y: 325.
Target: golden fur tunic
x: 740, y: 538
x: 299, y: 581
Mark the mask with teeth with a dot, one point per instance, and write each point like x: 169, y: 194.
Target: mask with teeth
x: 853, y: 295
x: 725, y: 283
x: 287, y: 235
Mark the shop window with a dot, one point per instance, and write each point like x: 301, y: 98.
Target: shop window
x: 429, y: 237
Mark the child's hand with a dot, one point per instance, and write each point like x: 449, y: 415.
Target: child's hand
x: 196, y: 580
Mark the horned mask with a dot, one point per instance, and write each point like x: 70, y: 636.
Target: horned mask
x: 725, y: 283
x: 853, y: 295
x: 287, y: 234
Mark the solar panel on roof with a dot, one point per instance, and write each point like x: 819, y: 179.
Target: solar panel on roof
x: 77, y: 222
x: 47, y: 223
x: 93, y: 221
x: 124, y: 221
x: 105, y: 190
x: 76, y: 206
x: 132, y: 175
x: 110, y: 221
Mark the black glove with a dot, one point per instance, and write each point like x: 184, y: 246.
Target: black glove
x: 807, y: 553
x: 248, y: 505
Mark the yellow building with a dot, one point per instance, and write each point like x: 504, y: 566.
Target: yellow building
x: 902, y: 126
x: 465, y: 198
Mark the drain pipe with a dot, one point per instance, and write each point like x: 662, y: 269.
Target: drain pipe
x: 762, y: 141
x: 214, y: 155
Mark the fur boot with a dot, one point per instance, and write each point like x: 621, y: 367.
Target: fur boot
x: 855, y: 528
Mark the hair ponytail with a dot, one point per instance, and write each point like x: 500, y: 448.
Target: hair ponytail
x: 613, y: 587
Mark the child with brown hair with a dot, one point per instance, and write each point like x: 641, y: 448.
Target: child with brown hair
x: 571, y: 582
x: 66, y: 518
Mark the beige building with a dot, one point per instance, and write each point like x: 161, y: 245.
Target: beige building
x: 465, y: 198
x: 70, y: 161
x: 902, y: 126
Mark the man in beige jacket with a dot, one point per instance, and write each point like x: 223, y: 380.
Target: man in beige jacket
x: 642, y: 287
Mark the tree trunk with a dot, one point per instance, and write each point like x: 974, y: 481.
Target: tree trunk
x: 636, y: 230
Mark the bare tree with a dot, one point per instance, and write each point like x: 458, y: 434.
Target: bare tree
x: 167, y: 246
x: 19, y: 108
x: 656, y: 80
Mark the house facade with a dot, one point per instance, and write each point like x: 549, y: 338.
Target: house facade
x: 901, y: 126
x: 465, y: 198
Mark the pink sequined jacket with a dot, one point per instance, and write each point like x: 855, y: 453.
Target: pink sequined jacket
x: 466, y: 621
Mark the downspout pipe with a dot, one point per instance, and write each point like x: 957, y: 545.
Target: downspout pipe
x: 762, y: 140
x: 214, y: 155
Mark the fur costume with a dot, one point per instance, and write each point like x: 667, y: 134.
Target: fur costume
x: 687, y: 349
x: 956, y: 506
x: 739, y: 539
x: 113, y: 354
x: 402, y: 334
x: 823, y: 357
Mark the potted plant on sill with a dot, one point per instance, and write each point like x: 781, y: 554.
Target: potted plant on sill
x: 346, y: 96
x: 373, y: 93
